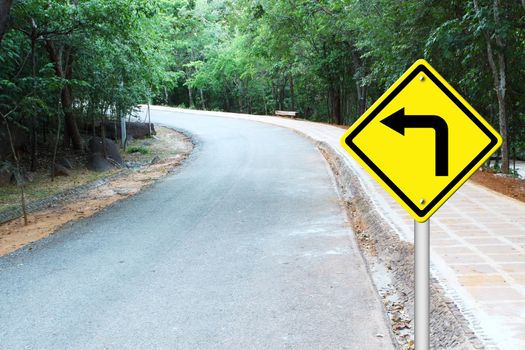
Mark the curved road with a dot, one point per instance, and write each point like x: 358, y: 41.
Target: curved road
x: 245, y: 247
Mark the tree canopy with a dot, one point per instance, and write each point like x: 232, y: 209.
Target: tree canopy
x: 81, y: 60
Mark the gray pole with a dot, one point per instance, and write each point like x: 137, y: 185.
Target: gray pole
x: 123, y: 133
x: 422, y: 281
x: 149, y: 118
x: 123, y: 130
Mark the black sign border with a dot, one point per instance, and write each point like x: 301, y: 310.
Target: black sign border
x: 420, y: 212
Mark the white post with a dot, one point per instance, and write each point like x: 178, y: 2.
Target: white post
x: 149, y: 117
x: 422, y: 284
x: 123, y: 131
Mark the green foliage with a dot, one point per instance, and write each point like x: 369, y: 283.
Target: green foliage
x: 138, y: 149
x: 111, y: 54
x: 327, y: 59
x: 338, y: 56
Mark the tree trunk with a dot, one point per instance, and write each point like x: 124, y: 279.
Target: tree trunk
x: 498, y: 67
x: 226, y: 103
x: 328, y: 107
x: 280, y: 91
x: 503, y: 118
x: 62, y: 62
x: 103, y: 136
x: 265, y: 100
x: 34, y: 119
x: 335, y: 103
x: 190, y: 96
x: 71, y: 133
x: 5, y: 7
x: 34, y: 146
x: 292, y: 93
x: 362, y: 92
x: 279, y: 99
x: 19, y: 179
x: 248, y: 97
x: 55, y: 149
x: 275, y: 96
x: 44, y: 132
x: 203, y: 104
x: 91, y: 115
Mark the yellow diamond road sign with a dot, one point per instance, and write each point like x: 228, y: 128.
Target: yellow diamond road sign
x: 421, y: 140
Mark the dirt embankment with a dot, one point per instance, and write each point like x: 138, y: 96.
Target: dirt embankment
x: 391, y: 264
x: 168, y: 151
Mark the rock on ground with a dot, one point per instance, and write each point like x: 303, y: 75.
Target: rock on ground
x: 60, y: 170
x: 97, y: 162
x: 139, y: 130
x: 96, y: 145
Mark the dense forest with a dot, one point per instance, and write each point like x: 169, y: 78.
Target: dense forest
x: 66, y: 65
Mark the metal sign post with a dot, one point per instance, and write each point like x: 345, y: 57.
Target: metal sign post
x: 422, y: 286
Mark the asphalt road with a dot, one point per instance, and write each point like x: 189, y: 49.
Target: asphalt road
x: 245, y: 247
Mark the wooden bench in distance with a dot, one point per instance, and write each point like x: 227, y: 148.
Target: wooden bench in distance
x: 286, y: 114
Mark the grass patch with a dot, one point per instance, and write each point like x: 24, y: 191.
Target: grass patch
x: 166, y: 144
x: 42, y: 186
x: 138, y: 149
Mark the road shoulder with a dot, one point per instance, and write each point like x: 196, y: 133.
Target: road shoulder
x: 51, y: 213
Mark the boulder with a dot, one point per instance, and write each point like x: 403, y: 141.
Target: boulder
x: 97, y: 162
x: 24, y: 178
x: 96, y: 145
x: 61, y: 170
x: 139, y: 130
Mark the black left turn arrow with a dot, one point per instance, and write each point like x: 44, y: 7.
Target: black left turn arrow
x: 399, y: 121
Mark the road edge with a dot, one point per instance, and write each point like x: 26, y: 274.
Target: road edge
x: 463, y: 336
x: 382, y: 249
x: 65, y: 197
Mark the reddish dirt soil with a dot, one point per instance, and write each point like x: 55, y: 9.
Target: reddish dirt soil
x: 14, y: 234
x: 42, y: 223
x: 508, y: 186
